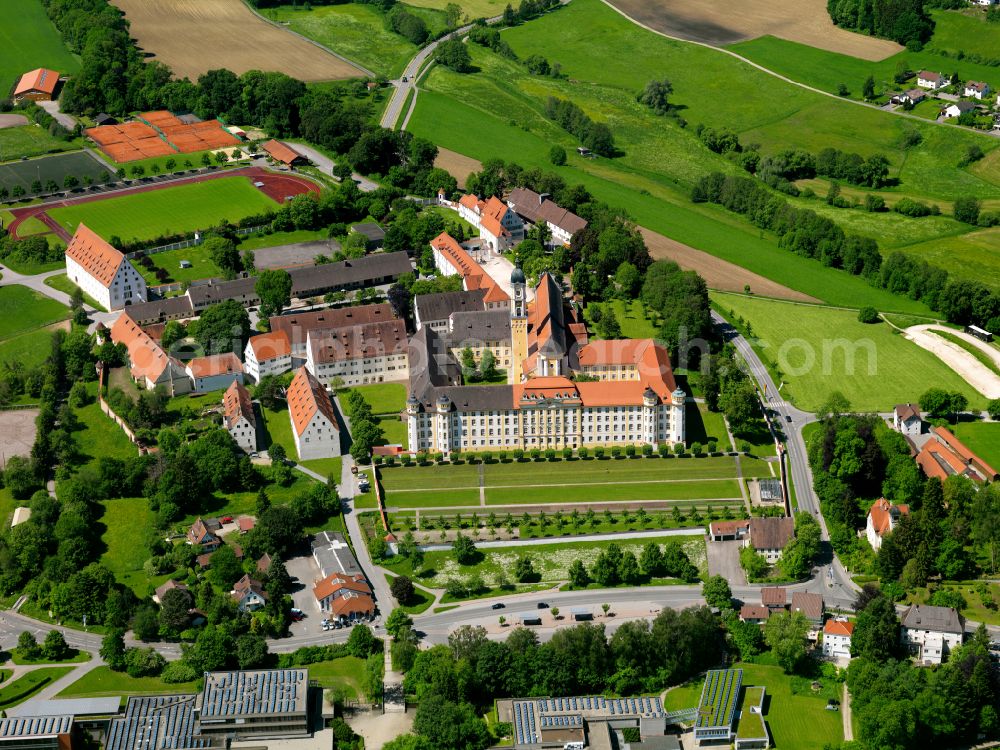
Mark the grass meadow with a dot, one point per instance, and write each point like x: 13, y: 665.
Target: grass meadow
x: 982, y: 438
x: 202, y: 266
x: 167, y: 211
x: 23, y: 310
x: 965, y: 31
x: 812, y: 347
x: 102, y: 682
x: 29, y: 348
x: 25, y: 686
x: 28, y: 40
x: 30, y: 140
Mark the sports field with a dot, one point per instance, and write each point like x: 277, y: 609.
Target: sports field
x: 28, y: 40
x: 820, y: 350
x: 30, y: 140
x: 353, y: 30
x: 170, y: 210
x: 561, y: 482
x: 180, y: 32
x: 78, y: 164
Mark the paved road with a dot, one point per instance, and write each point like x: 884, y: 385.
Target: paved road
x: 326, y: 164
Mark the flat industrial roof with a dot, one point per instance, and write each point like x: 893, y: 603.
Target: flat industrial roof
x: 228, y: 695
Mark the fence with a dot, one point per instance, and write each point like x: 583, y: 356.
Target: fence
x: 196, y: 240
x: 102, y: 374
x: 19, y: 407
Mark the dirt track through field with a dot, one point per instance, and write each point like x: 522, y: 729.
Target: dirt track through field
x: 973, y: 372
x: 195, y: 36
x: 719, y: 24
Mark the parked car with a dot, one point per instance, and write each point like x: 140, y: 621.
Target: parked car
x: 543, y: 605
x: 788, y: 418
x: 498, y: 605
x: 227, y: 519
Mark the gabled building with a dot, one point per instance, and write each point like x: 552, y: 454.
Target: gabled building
x: 810, y: 605
x: 944, y: 455
x: 499, y: 226
x: 768, y: 537
x: 538, y: 208
x: 837, y: 636
x: 214, y: 372
x: 282, y: 153
x: 314, y: 420
x: 298, y: 325
x: 249, y: 594
x: 907, y: 420
x: 775, y: 598
x: 882, y: 519
x: 451, y: 259
x: 149, y: 365
x: 360, y: 354
x: 435, y: 310
x: 754, y: 613
x: 267, y: 354
x: 976, y: 90
x: 930, y: 633
x: 239, y: 418
x: 38, y: 85
x: 201, y: 534
x: 927, y: 79
x: 102, y: 271
x: 169, y: 585
x: 347, y: 597
x: 959, y: 108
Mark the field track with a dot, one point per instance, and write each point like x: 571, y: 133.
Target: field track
x: 276, y: 187
x: 195, y: 36
x: 719, y: 24
x: 13, y: 121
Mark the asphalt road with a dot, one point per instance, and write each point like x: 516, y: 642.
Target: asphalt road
x: 326, y: 164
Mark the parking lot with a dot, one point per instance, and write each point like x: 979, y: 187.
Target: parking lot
x: 305, y: 571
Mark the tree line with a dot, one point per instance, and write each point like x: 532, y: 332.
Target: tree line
x: 595, y: 136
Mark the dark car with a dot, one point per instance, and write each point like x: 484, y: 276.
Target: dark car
x: 543, y: 605
x: 788, y: 418
x: 498, y: 605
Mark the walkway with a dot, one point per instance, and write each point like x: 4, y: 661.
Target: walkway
x: 610, y: 537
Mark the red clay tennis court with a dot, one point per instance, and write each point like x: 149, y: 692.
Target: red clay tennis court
x: 159, y: 133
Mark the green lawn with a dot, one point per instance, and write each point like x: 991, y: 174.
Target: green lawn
x: 421, y: 599
x: 346, y: 671
x: 102, y: 682
x: 78, y: 658
x: 124, y: 519
x: 22, y: 310
x: 798, y: 720
x: 631, y: 315
x: 278, y: 429
x: 551, y: 561
x: 21, y: 689
x: 355, y: 31
x: 31, y: 140
x: 28, y: 40
x: 202, y: 266
x: 328, y: 467
x: 702, y: 426
x: 684, y: 696
x: 97, y: 435
x: 384, y: 398
x: 258, y: 241
x: 965, y: 31
x: 63, y: 284
x: 982, y: 438
x: 28, y: 348
x: 394, y: 430
x: 975, y: 255
x: 171, y: 210
x: 819, y: 350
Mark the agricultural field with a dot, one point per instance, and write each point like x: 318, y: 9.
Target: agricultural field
x: 718, y: 24
x: 819, y: 350
x: 28, y: 40
x: 30, y: 140
x: 460, y: 113
x: 471, y: 8
x: 965, y: 31
x: 354, y: 30
x: 560, y: 482
x: 179, y: 33
x: 78, y: 164
x: 975, y: 255
x: 551, y: 561
x: 826, y: 70
x: 168, y: 210
x: 23, y: 310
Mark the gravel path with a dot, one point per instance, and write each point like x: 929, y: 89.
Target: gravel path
x: 974, y: 372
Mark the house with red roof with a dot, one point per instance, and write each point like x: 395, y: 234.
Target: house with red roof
x: 267, y: 354
x: 882, y: 519
x: 944, y: 455
x: 314, y: 419
x: 499, y: 226
x: 38, y: 85
x: 837, y: 636
x: 102, y: 271
x: 451, y: 259
x: 149, y: 365
x: 214, y: 372
x: 346, y: 597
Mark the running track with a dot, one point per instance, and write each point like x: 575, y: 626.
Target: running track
x: 276, y: 187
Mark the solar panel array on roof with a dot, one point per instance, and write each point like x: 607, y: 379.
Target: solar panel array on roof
x: 566, y: 720
x: 162, y: 722
x: 271, y: 691
x: 530, y: 716
x: 35, y: 726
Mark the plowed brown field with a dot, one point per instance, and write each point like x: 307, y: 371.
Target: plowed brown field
x: 719, y: 23
x: 195, y: 36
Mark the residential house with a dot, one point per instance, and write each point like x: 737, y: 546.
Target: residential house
x: 204, y: 534
x: 214, y: 372
x: 907, y: 420
x: 957, y: 109
x: 754, y: 613
x: 910, y: 96
x: 837, y: 639
x: 930, y: 633
x: 927, y: 79
x: 775, y: 598
x: 945, y: 455
x: 976, y: 89
x: 249, y: 594
x: 239, y: 418
x: 264, y: 563
x: 721, y: 531
x: 346, y: 597
x: 267, y: 354
x: 246, y: 524
x: 768, y: 536
x: 169, y: 585
x: 38, y: 85
x: 810, y: 605
x: 360, y: 354
x: 537, y: 207
x: 314, y: 421
x: 882, y: 519
x: 102, y: 271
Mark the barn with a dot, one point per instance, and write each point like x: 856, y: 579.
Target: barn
x: 37, y: 85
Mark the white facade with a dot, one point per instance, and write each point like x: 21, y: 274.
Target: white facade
x: 318, y: 439
x: 976, y: 92
x: 544, y: 427
x: 213, y: 382
x: 910, y: 426
x: 277, y: 365
x: 244, y: 433
x: 930, y: 646
x: 836, y: 645
x: 932, y: 83
x: 361, y: 370
x: 126, y: 288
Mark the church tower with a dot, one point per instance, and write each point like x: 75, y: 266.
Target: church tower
x: 518, y: 325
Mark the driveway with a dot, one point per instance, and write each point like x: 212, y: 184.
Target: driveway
x: 724, y: 560
x: 326, y: 164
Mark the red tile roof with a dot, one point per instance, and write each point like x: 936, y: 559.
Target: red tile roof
x: 214, y: 364
x: 280, y: 152
x: 838, y: 627
x: 337, y: 581
x: 473, y: 274
x: 305, y: 397
x: 881, y: 511
x: 272, y: 345
x: 148, y: 360
x: 907, y: 411
x: 39, y: 79
x: 754, y: 612
x: 96, y: 256
x: 236, y: 403
x: 773, y: 596
x: 956, y: 445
